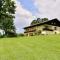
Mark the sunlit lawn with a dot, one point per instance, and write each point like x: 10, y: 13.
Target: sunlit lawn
x: 43, y: 47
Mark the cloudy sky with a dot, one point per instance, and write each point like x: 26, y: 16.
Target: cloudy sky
x: 28, y: 10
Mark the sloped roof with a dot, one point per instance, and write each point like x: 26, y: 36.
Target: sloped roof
x: 54, y: 22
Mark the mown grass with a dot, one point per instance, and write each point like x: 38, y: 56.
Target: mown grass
x: 43, y: 47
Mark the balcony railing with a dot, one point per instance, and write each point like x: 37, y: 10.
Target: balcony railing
x: 32, y: 30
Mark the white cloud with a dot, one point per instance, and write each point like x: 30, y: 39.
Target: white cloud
x: 23, y: 17
x: 48, y: 8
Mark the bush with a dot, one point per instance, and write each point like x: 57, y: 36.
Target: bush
x: 21, y: 34
x: 10, y: 34
x: 1, y: 36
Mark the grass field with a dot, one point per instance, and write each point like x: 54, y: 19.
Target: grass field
x: 30, y: 48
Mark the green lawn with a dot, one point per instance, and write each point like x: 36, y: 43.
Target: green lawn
x: 43, y: 47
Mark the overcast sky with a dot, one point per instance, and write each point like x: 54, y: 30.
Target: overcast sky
x: 28, y: 10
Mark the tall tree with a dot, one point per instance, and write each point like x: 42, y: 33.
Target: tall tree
x: 7, y: 11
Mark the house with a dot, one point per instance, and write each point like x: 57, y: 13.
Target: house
x: 46, y: 27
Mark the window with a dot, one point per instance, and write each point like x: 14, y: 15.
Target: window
x: 55, y: 28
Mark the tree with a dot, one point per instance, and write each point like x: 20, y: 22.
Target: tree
x: 44, y: 19
x: 34, y: 22
x: 39, y: 20
x: 7, y: 11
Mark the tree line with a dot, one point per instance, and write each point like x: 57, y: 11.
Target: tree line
x: 39, y: 20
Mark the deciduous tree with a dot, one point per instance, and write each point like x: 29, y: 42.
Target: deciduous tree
x: 7, y: 11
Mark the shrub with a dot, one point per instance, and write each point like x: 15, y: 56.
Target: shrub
x: 21, y: 34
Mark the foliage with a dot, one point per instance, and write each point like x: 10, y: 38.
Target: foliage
x: 7, y: 9
x: 44, y: 19
x: 39, y: 20
x: 20, y: 35
x: 34, y: 22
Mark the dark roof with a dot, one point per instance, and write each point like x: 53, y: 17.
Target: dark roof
x: 54, y: 22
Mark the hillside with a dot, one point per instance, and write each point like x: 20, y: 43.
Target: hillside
x: 43, y: 47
